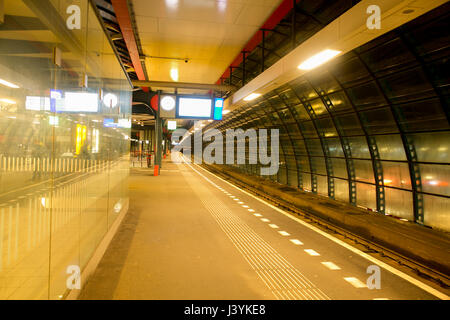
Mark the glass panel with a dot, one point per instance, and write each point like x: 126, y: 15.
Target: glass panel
x: 435, y: 178
x: 390, y: 147
x: 379, y: 121
x: 432, y: 147
x: 339, y: 168
x: 396, y: 174
x: 340, y: 102
x: 306, y: 177
x: 334, y: 147
x: 366, y: 196
x: 318, y: 107
x: 314, y: 147
x: 399, y: 203
x: 421, y: 116
x: 359, y: 148
x: 348, y: 125
x: 437, y: 212
x: 322, y: 185
x: 366, y: 96
x: 326, y: 127
x: 65, y: 174
x: 341, y: 190
x: 364, y: 170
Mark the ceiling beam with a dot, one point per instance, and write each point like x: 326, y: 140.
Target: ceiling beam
x: 183, y: 85
x: 126, y: 27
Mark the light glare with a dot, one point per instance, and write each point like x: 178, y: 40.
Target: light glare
x: 318, y: 59
x: 252, y: 96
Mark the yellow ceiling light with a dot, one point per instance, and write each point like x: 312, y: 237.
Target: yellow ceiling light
x: 252, y: 96
x: 174, y: 74
x: 318, y: 59
x: 225, y: 111
x: 8, y: 101
x: 8, y: 84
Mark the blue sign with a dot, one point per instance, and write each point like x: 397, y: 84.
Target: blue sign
x: 218, y: 108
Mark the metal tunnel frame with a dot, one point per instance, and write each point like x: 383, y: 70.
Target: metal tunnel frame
x: 370, y: 128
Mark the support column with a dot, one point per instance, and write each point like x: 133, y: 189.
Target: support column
x: 158, y: 139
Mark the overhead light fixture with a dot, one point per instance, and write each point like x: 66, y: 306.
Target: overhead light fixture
x: 9, y: 101
x: 252, y: 96
x: 8, y: 84
x: 318, y: 59
x: 174, y: 74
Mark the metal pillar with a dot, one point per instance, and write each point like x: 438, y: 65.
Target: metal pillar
x: 158, y: 136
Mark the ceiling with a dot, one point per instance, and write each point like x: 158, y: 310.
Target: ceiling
x: 208, y: 33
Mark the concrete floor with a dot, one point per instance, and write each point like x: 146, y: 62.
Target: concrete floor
x: 189, y: 235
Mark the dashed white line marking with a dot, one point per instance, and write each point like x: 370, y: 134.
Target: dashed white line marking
x: 251, y: 210
x: 311, y: 252
x: 381, y: 299
x: 244, y: 206
x: 330, y: 265
x: 385, y: 266
x: 355, y: 282
x: 264, y: 219
x: 257, y: 215
x: 274, y: 226
x: 232, y: 197
x: 296, y: 242
x: 240, y: 202
x: 284, y: 233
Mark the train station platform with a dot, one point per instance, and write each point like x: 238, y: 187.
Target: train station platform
x: 191, y: 235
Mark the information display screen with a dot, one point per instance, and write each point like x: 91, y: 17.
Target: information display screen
x: 194, y: 108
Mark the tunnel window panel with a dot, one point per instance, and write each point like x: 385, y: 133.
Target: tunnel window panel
x: 319, y: 165
x: 399, y: 203
x: 435, y: 178
x: 366, y: 96
x: 350, y: 72
x: 318, y: 107
x: 339, y: 168
x: 307, y: 129
x: 341, y: 190
x: 406, y: 86
x: 304, y: 163
x: 293, y: 131
x: 359, y: 148
x: 323, y: 82
x: 303, y: 89
x: 275, y: 119
x: 314, y: 147
x: 348, y: 124
x: 299, y: 147
x: 299, y: 112
x: 276, y: 102
x: 390, y: 147
x: 432, y: 147
x: 388, y: 55
x: 422, y: 116
x: 334, y: 147
x: 282, y: 175
x: 396, y: 174
x: 289, y: 97
x: 322, y: 185
x: 326, y: 127
x: 340, y: 102
x: 379, y: 121
x: 439, y: 73
x: 286, y: 116
x: 429, y: 37
x: 364, y: 170
x: 306, y: 180
x: 436, y: 212
x: 366, y: 196
x: 292, y: 178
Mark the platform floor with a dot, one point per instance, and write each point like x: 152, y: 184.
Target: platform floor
x: 190, y: 235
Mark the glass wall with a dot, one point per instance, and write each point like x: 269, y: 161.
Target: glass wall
x: 65, y: 115
x: 370, y: 128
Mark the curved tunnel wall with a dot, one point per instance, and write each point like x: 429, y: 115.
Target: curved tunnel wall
x: 370, y: 128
